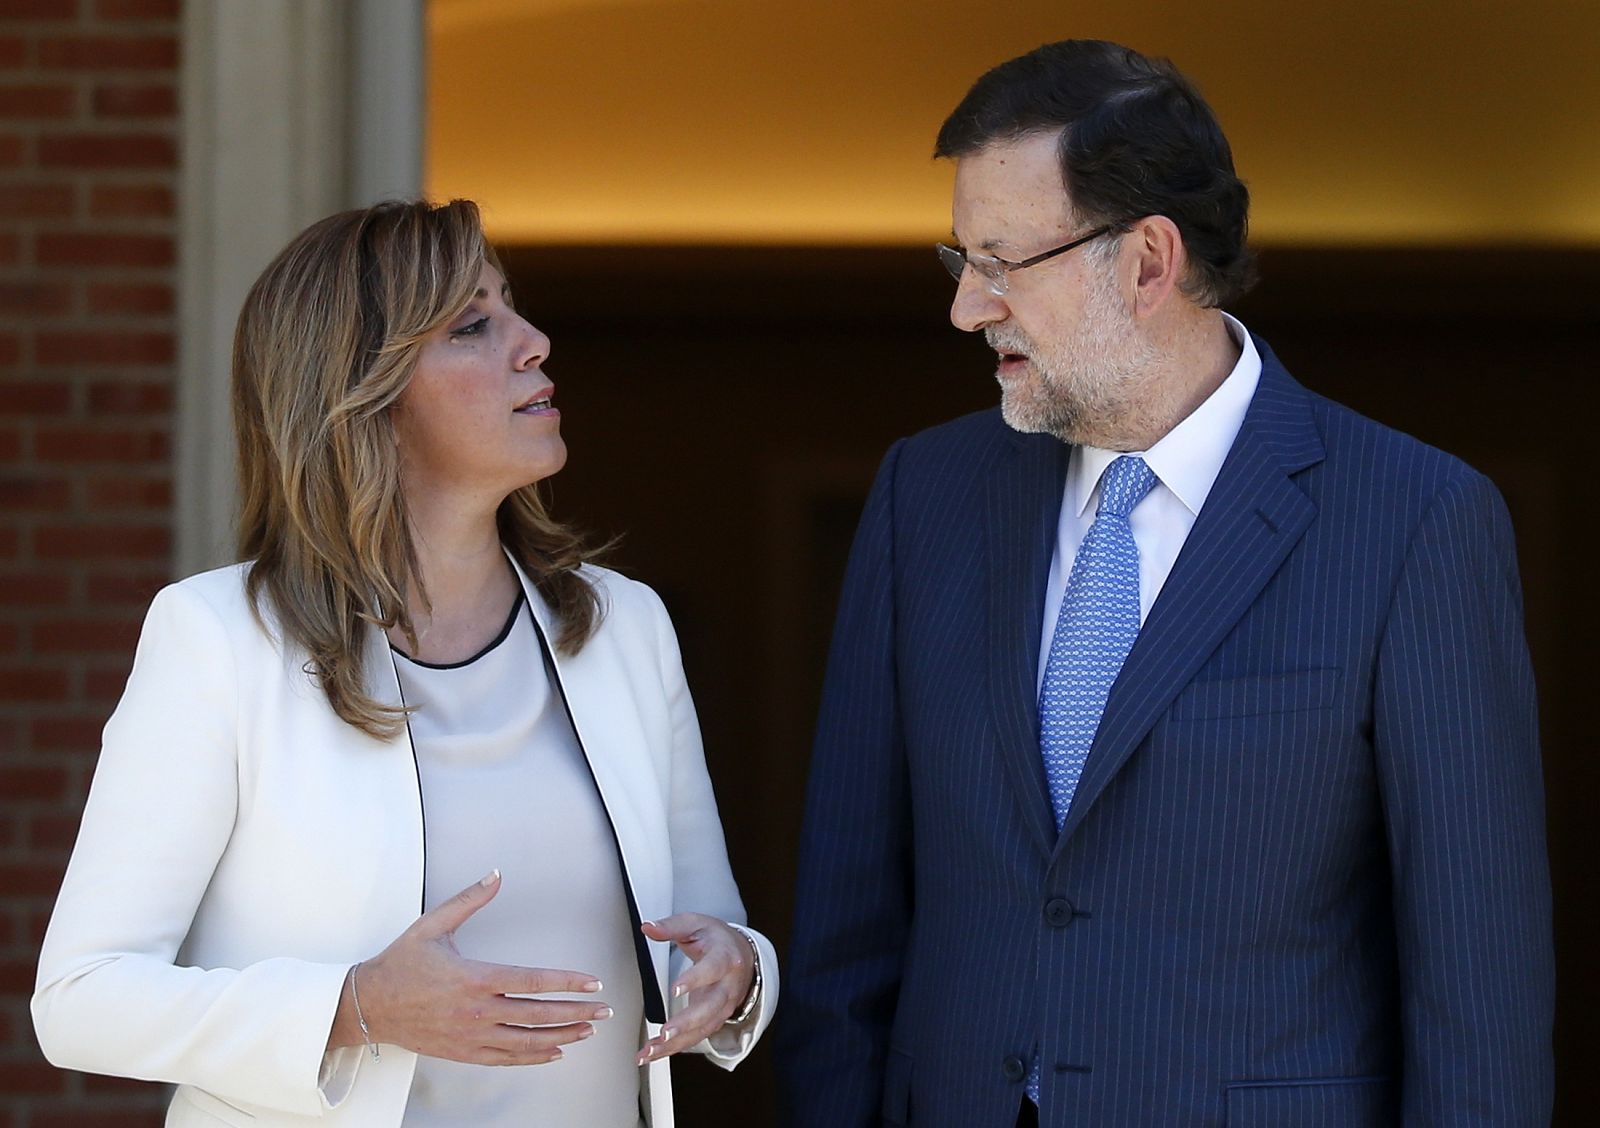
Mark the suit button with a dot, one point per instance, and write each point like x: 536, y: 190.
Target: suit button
x: 1013, y: 1068
x: 1058, y: 912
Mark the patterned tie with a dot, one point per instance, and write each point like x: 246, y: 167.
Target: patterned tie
x: 1098, y: 622
x: 1097, y: 626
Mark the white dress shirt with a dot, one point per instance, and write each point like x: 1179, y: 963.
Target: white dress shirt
x: 1185, y: 460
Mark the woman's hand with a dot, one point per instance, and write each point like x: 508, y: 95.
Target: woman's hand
x: 421, y: 994
x: 724, y: 968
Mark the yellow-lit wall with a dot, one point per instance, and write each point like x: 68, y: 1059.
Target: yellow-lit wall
x: 811, y: 121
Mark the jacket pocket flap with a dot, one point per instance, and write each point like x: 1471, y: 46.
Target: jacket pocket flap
x: 1251, y: 696
x: 1313, y: 1102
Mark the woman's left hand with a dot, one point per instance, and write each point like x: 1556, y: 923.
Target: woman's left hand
x: 724, y: 968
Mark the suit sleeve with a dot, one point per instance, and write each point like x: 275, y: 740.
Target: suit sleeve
x: 1457, y: 743
x: 111, y: 996
x: 702, y: 881
x: 854, y: 897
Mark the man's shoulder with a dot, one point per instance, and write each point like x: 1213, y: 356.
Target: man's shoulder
x: 958, y: 444
x: 1390, y: 462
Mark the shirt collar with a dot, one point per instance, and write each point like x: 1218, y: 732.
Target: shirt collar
x: 1187, y: 458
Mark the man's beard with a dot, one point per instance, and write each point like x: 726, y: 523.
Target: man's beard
x: 1082, y: 389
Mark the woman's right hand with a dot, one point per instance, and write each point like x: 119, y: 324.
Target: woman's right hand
x: 420, y: 993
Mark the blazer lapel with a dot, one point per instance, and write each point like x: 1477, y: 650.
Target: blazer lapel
x: 588, y: 704
x: 1022, y: 516
x: 1254, y: 515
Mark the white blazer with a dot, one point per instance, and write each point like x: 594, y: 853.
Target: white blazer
x: 242, y: 847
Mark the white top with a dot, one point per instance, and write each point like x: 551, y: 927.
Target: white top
x: 505, y: 784
x: 1186, y: 461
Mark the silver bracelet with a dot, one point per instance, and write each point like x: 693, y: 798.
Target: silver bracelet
x: 366, y: 1035
x: 754, y: 996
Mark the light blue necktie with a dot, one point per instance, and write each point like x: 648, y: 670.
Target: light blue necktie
x: 1098, y: 624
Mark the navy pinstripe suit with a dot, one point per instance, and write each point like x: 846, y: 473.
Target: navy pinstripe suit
x: 1303, y: 882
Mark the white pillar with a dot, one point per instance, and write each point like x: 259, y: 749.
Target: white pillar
x: 292, y: 109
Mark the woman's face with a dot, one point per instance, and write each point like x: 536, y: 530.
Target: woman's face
x: 476, y: 420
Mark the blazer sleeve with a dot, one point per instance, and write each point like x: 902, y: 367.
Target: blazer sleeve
x: 1457, y: 743
x: 854, y: 897
x: 702, y: 880
x: 111, y: 996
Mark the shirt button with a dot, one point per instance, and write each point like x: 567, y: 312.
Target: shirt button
x: 1014, y: 1068
x: 1058, y: 912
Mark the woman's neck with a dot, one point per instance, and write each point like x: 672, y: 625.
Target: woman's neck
x: 469, y: 584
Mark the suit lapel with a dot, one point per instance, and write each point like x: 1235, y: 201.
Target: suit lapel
x: 1022, y: 511
x: 1253, y: 517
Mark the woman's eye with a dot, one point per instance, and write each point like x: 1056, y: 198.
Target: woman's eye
x: 471, y: 330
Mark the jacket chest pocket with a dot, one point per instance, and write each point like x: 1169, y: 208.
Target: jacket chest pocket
x: 1259, y: 695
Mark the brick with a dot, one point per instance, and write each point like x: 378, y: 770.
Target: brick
x: 104, y: 249
x: 34, y: 102
x: 10, y: 640
x: 31, y: 878
x: 29, y: 684
x: 77, y: 445
x: 122, y: 494
x: 10, y: 542
x: 34, y: 397
x: 134, y: 589
x: 137, y: 9
x: 102, y: 542
x: 21, y: 493
x: 106, y: 151
x: 26, y: 782
x: 103, y: 688
x: 98, y: 348
x: 10, y: 452
x: 99, y: 1117
x: 34, y: 297
x: 33, y: 589
x: 10, y: 350
x: 10, y: 248
x: 130, y: 201
x: 13, y: 50
x: 38, y: 9
x: 100, y: 634
x: 108, y: 52
x: 52, y: 831
x: 69, y: 734
x: 147, y: 101
x: 13, y: 150
x: 146, y: 299
x: 128, y: 398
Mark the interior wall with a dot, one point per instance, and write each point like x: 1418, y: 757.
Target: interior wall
x: 772, y: 122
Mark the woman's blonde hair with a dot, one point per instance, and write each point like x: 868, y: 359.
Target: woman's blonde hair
x: 328, y: 339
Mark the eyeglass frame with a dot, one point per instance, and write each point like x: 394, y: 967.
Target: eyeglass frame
x: 997, y: 274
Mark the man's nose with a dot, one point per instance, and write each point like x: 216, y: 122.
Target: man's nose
x: 976, y: 306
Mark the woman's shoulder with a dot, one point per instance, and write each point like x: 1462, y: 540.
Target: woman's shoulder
x: 625, y: 603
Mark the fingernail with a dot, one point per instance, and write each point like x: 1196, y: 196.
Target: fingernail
x: 667, y: 1033
x: 491, y: 877
x: 556, y: 1055
x: 651, y: 923
x: 594, y: 985
x: 604, y: 1012
x: 677, y: 990
x: 586, y: 1032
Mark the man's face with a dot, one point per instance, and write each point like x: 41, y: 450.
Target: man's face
x: 1068, y: 347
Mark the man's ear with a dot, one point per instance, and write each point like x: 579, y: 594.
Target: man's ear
x: 1160, y: 262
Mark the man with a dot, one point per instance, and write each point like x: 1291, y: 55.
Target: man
x: 1178, y: 762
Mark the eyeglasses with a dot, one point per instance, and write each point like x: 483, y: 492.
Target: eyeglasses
x: 994, y: 270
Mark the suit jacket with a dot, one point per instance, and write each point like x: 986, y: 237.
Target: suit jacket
x: 1303, y: 880
x: 242, y: 846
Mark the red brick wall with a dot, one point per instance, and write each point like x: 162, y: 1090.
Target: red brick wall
x: 88, y: 156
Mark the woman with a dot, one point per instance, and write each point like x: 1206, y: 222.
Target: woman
x: 411, y: 681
